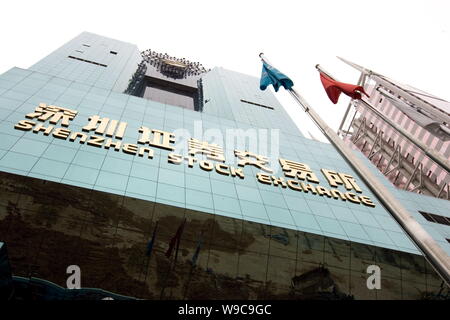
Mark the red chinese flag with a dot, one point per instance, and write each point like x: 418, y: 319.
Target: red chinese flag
x: 334, y: 88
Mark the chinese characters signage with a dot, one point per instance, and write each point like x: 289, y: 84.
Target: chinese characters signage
x: 106, y: 133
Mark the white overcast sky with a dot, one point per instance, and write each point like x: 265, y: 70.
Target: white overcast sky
x: 405, y: 40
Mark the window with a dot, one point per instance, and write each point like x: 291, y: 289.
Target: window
x: 113, y: 52
x: 426, y: 216
x: 257, y: 104
x: 435, y: 218
x: 93, y: 62
x: 79, y: 51
x: 441, y: 219
x: 86, y: 45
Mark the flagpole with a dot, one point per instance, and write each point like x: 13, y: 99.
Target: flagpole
x: 151, y: 250
x: 436, y: 157
x: 172, y: 266
x: 175, y: 260
x: 432, y: 252
x: 359, y: 83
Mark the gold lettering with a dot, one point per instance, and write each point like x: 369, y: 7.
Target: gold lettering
x: 121, y: 130
x: 332, y: 177
x: 94, y: 124
x: 296, y: 169
x: 212, y: 151
x: 237, y: 172
x: 191, y: 161
x: 277, y: 181
x: 130, y: 148
x: 350, y: 182
x: 61, y: 133
x: 175, y: 158
x: 161, y: 139
x: 245, y: 158
x: 206, y: 165
x: 60, y: 116
x: 308, y: 187
x: 322, y: 190
x: 337, y: 194
x: 366, y: 201
x: 24, y: 125
x: 222, y: 169
x: 142, y: 150
x: 44, y: 112
x: 40, y: 127
x: 110, y: 143
x: 96, y: 141
x: 75, y: 135
x: 112, y: 127
x: 293, y: 184
x: 264, y: 178
x: 101, y: 124
x: 335, y: 178
x: 352, y: 197
x: 145, y: 135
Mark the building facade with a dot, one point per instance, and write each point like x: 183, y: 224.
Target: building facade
x: 160, y: 179
x: 426, y: 118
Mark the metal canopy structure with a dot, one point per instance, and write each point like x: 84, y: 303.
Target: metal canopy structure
x: 169, y: 66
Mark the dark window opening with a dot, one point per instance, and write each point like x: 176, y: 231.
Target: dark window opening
x: 113, y: 52
x: 79, y: 51
x: 435, y: 218
x: 86, y: 45
x: 88, y: 61
x: 448, y: 240
x: 441, y: 219
x: 257, y: 104
x: 427, y: 216
x: 172, y: 93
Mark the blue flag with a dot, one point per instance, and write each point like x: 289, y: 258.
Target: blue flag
x: 271, y: 76
x: 197, y: 250
x: 148, y: 251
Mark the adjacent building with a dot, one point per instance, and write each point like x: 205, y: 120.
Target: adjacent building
x: 423, y: 117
